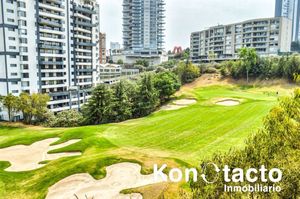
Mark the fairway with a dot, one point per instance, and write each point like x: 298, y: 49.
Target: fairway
x: 177, y: 137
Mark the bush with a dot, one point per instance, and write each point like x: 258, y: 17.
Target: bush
x: 187, y: 72
x: 68, y: 118
x: 211, y: 70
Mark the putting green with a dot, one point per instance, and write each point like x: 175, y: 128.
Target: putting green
x: 182, y: 137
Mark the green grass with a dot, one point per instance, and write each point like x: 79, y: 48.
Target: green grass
x: 181, y: 137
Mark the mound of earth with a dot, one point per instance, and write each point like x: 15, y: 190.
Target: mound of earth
x: 26, y: 158
x: 118, y: 177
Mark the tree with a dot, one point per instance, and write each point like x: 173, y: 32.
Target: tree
x: 120, y: 62
x: 122, y: 106
x: 142, y: 62
x: 187, y: 72
x: 39, y: 104
x: 25, y: 105
x: 68, y: 118
x: 166, y: 83
x: 249, y: 58
x: 11, y: 103
x: 146, y: 98
x: 99, y: 107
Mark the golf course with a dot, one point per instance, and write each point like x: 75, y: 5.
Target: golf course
x: 178, y: 137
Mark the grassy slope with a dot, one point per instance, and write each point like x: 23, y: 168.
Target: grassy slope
x: 174, y: 137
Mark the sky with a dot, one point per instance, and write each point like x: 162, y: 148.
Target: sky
x: 186, y: 16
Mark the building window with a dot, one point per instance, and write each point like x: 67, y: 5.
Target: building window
x: 25, y: 75
x: 22, y: 23
x: 23, y: 40
x: 21, y: 4
x: 22, y: 31
x: 13, y: 65
x: 14, y: 83
x: 13, y: 74
x: 24, y: 66
x: 21, y: 14
x: 11, y: 29
x: 10, y: 20
x: 9, y: 1
x: 12, y: 48
x: 11, y: 38
x: 24, y: 49
x: 12, y: 56
x: 24, y: 58
x: 15, y: 91
x: 10, y: 10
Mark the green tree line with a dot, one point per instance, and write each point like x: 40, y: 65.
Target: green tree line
x: 251, y: 65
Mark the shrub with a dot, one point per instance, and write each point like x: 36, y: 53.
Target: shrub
x: 68, y: 118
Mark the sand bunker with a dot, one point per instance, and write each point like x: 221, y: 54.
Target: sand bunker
x: 178, y: 104
x: 119, y: 177
x: 26, y: 158
x: 228, y: 102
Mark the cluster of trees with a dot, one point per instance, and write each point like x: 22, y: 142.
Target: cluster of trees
x: 127, y: 100
x: 252, y: 66
x: 277, y: 145
x: 33, y: 107
x: 187, y: 72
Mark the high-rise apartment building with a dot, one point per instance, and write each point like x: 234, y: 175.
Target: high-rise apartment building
x: 269, y: 36
x: 49, y: 46
x: 102, y: 48
x: 143, y: 28
x: 291, y: 10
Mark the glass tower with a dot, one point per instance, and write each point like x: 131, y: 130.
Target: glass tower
x: 143, y: 26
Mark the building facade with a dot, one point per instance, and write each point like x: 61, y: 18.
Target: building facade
x: 143, y: 28
x: 49, y: 47
x: 113, y: 73
x: 269, y: 36
x: 291, y: 10
x: 102, y: 48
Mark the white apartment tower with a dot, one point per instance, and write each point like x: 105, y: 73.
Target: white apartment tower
x: 49, y: 46
x: 143, y: 28
x: 269, y: 36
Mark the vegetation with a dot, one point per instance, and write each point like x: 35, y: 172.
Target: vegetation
x: 130, y: 100
x: 182, y: 137
x: 249, y: 58
x: 99, y: 107
x: 10, y: 102
x: 146, y: 99
x: 277, y: 145
x: 120, y: 62
x: 68, y: 118
x: 252, y: 66
x: 142, y: 62
x: 166, y: 83
x: 33, y: 107
x: 187, y: 72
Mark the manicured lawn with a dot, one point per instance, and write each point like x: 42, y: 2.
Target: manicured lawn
x: 178, y: 137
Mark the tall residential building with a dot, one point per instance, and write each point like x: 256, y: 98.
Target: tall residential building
x: 269, y: 36
x: 291, y: 10
x: 102, y: 48
x: 143, y: 28
x: 49, y: 46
